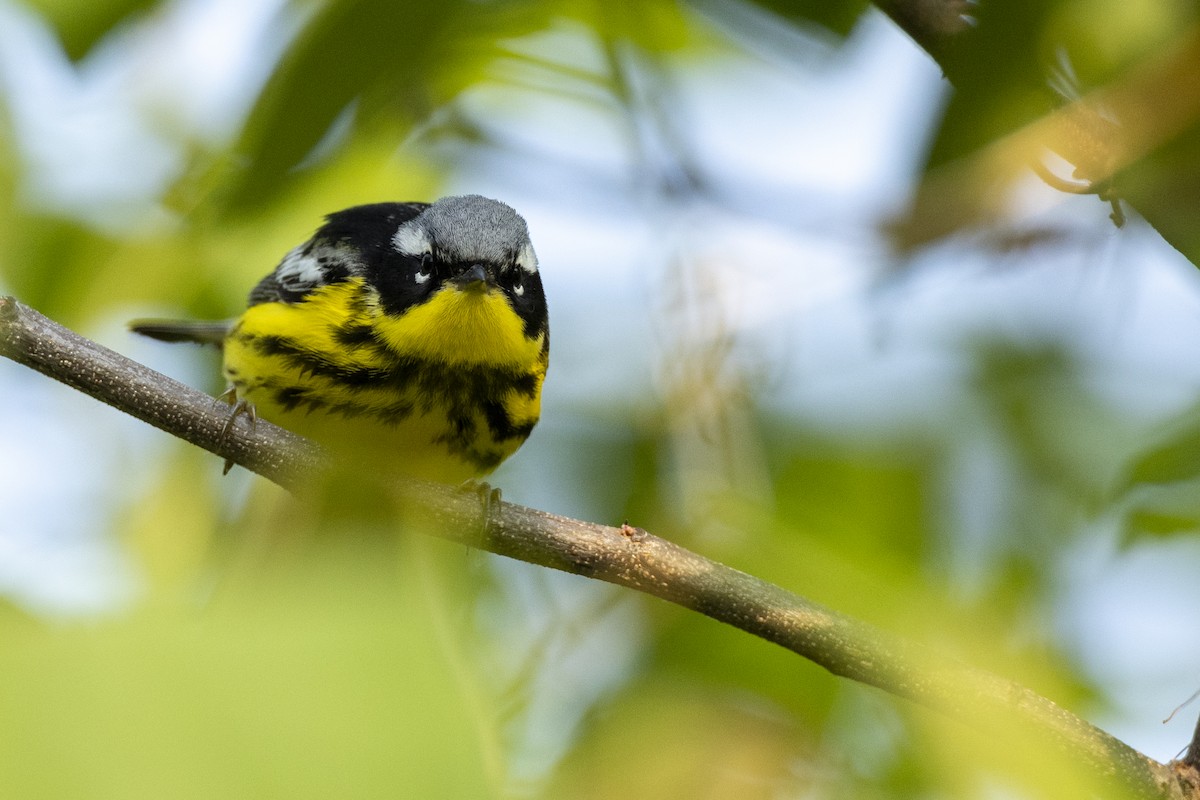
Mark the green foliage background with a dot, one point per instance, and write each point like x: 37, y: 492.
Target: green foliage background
x: 314, y: 650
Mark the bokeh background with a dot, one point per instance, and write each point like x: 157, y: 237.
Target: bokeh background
x: 978, y: 430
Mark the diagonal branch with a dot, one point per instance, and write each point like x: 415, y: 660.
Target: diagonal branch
x: 624, y: 556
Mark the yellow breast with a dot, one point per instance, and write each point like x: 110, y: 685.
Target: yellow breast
x: 445, y: 391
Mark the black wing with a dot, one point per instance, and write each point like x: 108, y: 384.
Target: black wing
x: 339, y: 249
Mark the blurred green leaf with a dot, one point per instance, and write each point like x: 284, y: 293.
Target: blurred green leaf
x: 1165, y: 188
x: 696, y: 744
x: 1007, y: 67
x: 81, y: 25
x: 1174, y: 458
x: 47, y: 261
x: 874, y: 503
x: 695, y: 651
x: 998, y: 69
x: 322, y: 677
x: 1104, y: 38
x: 1162, y: 510
x: 1147, y: 523
x: 363, y: 62
x: 1007, y: 70
x: 1067, y: 438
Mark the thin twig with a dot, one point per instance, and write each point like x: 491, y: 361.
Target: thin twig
x: 624, y: 556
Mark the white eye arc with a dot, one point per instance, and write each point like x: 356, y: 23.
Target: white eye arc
x: 412, y: 240
x: 527, y: 259
x: 518, y: 288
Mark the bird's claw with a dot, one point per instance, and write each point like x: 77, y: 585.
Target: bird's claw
x: 240, y: 407
x: 489, y: 498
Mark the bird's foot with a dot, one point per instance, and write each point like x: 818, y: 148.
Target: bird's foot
x: 238, y: 407
x: 489, y: 498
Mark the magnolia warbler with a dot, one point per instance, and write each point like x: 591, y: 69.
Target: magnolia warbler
x: 411, y: 336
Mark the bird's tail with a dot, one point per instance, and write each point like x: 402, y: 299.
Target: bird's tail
x: 182, y: 330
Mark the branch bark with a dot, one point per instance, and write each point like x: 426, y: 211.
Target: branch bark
x: 625, y: 556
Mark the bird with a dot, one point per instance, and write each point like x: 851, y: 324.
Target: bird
x: 411, y: 338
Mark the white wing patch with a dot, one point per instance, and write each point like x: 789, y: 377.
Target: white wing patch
x: 299, y: 272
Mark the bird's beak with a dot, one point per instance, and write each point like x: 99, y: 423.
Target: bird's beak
x: 475, y: 278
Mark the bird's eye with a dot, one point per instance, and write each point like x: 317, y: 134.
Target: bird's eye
x: 425, y: 270
x: 518, y: 287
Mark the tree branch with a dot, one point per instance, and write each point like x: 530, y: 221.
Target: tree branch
x: 624, y: 556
